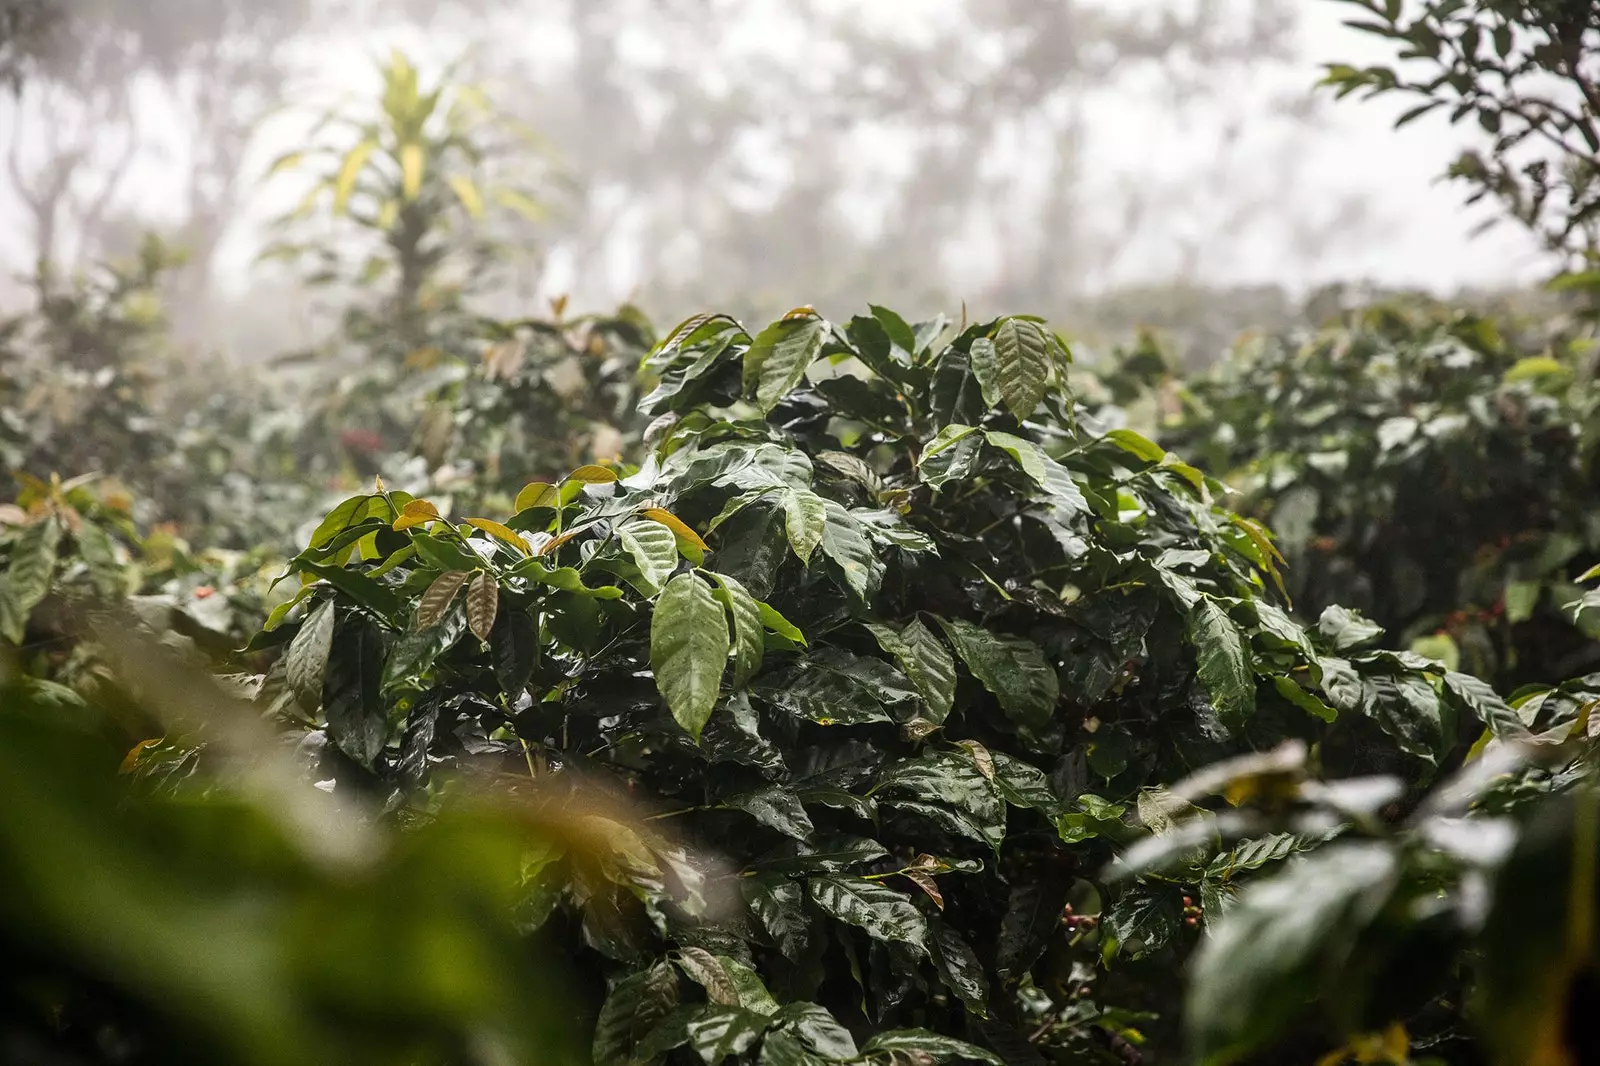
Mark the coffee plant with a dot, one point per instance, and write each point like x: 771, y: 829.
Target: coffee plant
x: 882, y: 626
x: 1431, y: 467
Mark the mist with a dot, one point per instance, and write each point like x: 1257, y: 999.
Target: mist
x: 758, y: 154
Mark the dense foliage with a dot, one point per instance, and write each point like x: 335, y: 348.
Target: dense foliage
x: 1431, y: 467
x: 879, y: 625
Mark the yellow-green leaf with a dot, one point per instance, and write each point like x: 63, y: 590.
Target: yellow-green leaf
x: 679, y: 527
x: 411, y: 164
x: 501, y: 532
x: 467, y: 193
x: 349, y: 173
x: 590, y: 474
x: 537, y: 494
x: 521, y: 203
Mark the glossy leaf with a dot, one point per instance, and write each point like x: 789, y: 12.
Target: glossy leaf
x: 689, y: 647
x: 1223, y: 666
x: 307, y: 658
x: 745, y: 613
x: 880, y: 911
x: 1012, y: 668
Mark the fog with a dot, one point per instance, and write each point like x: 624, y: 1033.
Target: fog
x: 1012, y: 155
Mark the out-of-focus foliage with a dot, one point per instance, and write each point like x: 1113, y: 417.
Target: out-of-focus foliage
x: 1434, y: 468
x: 70, y: 553
x: 412, y: 189
x: 1528, y: 73
x: 212, y: 906
x: 1460, y: 928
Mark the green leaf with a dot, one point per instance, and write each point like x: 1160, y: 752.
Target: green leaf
x: 706, y: 970
x: 985, y: 362
x: 307, y: 658
x: 1224, y: 669
x: 871, y: 906
x: 483, y: 604
x: 443, y: 554
x: 359, y: 587
x: 32, y: 565
x: 438, y: 597
x: 748, y: 642
x: 779, y: 904
x: 960, y: 970
x: 514, y: 645
x: 1291, y: 691
x: 782, y: 1049
x: 777, y: 807
x: 899, y: 331
x: 1022, y: 355
x: 689, y: 647
x: 845, y: 542
x: 1137, y: 444
x: 1480, y: 698
x: 99, y: 554
x: 1012, y: 668
x: 1262, y: 966
x: 950, y: 456
x: 780, y: 625
x: 1341, y: 684
x: 1145, y: 919
x: 949, y: 790
x: 1345, y: 629
x: 352, y: 700
x: 349, y: 513
x: 1521, y: 598
x: 1023, y: 785
x: 818, y: 1030
x: 925, y: 661
x: 1027, y: 454
x: 654, y: 548
x: 1407, y: 708
x: 834, y: 687
x: 779, y: 356
x: 414, y: 654
x: 923, y: 1045
x: 636, y: 1004
x: 805, y: 517
x: 722, y: 1031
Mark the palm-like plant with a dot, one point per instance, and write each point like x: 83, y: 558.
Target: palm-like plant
x: 420, y: 176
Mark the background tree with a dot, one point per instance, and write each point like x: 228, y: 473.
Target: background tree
x: 1528, y: 73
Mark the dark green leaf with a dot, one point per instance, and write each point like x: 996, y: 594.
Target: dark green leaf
x: 777, y: 807
x: 924, y: 1045
x: 634, y: 1007
x: 1023, y: 366
x: 925, y: 661
x: 1345, y: 629
x: 1223, y: 667
x: 1012, y: 668
x: 352, y: 699
x: 779, y: 356
x: 748, y: 641
x: 1260, y: 968
x: 872, y: 906
x: 307, y: 658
